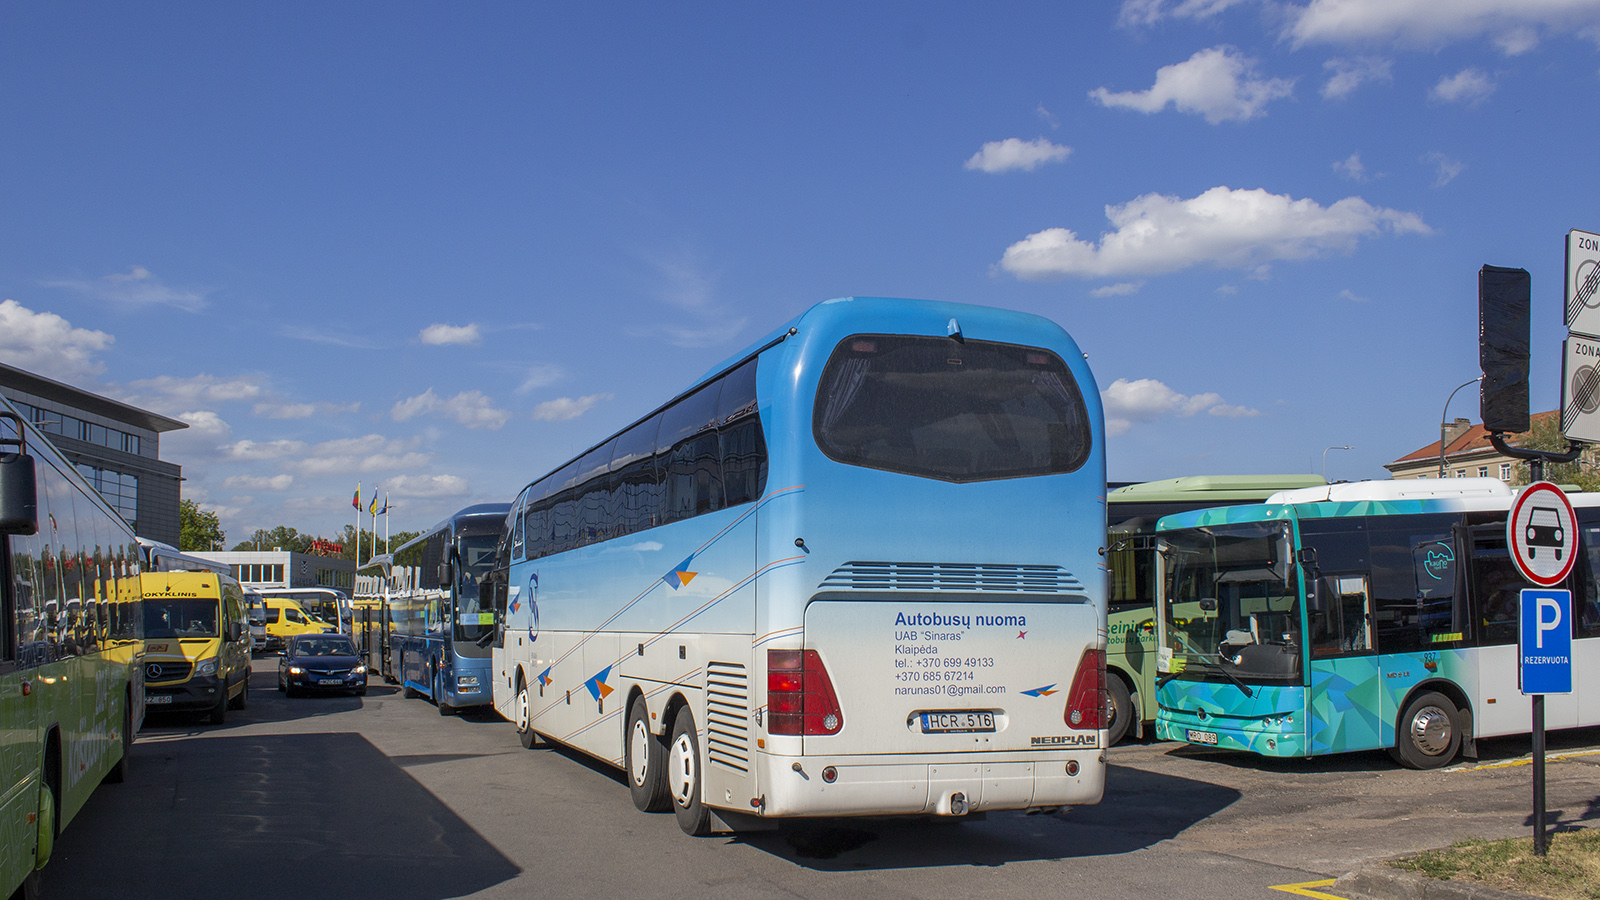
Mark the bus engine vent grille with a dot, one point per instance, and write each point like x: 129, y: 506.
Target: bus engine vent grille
x: 964, y: 577
x: 728, y: 715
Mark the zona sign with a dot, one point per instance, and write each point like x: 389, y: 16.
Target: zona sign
x: 1542, y: 532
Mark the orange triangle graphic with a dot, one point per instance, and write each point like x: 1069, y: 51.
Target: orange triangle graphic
x: 686, y: 577
x: 605, y: 689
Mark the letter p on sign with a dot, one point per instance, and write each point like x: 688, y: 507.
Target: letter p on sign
x: 1543, y: 624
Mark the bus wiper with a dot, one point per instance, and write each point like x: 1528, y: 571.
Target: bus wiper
x: 1223, y: 668
x: 486, y: 640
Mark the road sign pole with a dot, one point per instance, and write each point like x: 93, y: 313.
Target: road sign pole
x: 1539, y: 844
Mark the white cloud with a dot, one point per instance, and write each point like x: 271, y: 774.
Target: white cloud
x: 1146, y: 400
x: 1048, y: 116
x: 1470, y: 86
x: 1227, y: 290
x: 302, y: 410
x: 1348, y: 73
x: 1445, y: 168
x: 327, y: 335
x: 1149, y: 12
x: 204, y: 423
x: 469, y: 408
x: 252, y: 451
x: 373, y: 452
x: 138, y: 287
x: 440, y: 334
x: 1352, y: 296
x: 425, y: 486
x: 259, y: 483
x: 1122, y: 289
x: 1218, y: 83
x: 539, y: 376
x: 1513, y: 25
x: 1222, y: 227
x: 701, y: 320
x: 1014, y: 153
x: 1351, y: 167
x: 563, y: 408
x: 48, y: 345
x: 167, y: 392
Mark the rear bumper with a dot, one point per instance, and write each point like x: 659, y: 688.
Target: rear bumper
x: 927, y: 785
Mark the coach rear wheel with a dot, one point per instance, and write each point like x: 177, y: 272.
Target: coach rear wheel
x: 1427, y: 735
x: 683, y: 776
x: 645, y: 762
x: 1119, y: 710
x: 525, y: 733
x: 444, y: 708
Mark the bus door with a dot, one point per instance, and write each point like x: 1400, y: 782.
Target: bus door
x: 1345, y: 703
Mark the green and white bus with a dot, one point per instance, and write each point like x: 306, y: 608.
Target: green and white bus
x: 71, y: 690
x: 1131, y: 514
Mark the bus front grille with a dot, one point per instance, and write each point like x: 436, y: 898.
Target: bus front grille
x: 963, y: 577
x: 728, y: 715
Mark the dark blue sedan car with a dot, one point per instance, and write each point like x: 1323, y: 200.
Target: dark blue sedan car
x: 314, y: 663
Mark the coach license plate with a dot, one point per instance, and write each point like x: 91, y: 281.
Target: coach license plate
x: 957, y: 722
x: 157, y: 699
x: 341, y: 681
x: 1202, y: 737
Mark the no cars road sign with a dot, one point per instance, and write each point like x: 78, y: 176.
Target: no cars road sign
x: 1542, y: 532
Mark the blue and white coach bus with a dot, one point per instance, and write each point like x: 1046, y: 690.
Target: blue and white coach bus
x: 852, y: 571
x: 439, y: 623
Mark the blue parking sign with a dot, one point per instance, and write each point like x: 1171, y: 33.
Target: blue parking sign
x: 1544, y: 642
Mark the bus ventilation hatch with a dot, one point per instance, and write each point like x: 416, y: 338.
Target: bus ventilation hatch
x: 728, y: 715
x: 964, y: 577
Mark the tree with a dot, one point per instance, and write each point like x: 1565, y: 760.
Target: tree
x: 1544, y: 433
x: 281, y: 537
x: 198, y: 529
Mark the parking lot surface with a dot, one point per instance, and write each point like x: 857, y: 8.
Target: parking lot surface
x: 380, y: 797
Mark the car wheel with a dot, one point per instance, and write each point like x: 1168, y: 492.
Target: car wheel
x: 1119, y: 710
x: 524, y: 719
x: 283, y: 684
x: 683, y: 776
x: 243, y: 700
x: 1428, y: 734
x: 644, y: 759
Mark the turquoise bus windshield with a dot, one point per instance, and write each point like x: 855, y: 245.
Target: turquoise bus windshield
x: 1232, y: 603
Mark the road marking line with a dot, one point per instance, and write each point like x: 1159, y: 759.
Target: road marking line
x: 1304, y: 889
x: 1524, y: 762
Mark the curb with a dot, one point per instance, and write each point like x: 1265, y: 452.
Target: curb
x: 1380, y: 881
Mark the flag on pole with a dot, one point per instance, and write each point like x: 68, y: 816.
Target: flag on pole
x: 356, y: 500
x: 374, y: 508
x: 384, y: 510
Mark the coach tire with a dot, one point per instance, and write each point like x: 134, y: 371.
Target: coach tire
x: 645, y: 760
x: 444, y: 708
x: 524, y: 711
x: 1119, y: 710
x: 683, y: 776
x: 1428, y: 733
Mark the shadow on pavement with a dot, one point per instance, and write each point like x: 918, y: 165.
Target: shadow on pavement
x: 1140, y: 809
x: 334, y: 817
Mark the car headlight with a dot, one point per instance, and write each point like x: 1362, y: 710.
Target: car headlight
x: 206, y: 666
x: 359, y: 670
x: 296, y: 670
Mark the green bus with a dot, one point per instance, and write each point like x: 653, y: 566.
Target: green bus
x: 71, y: 627
x: 1131, y: 515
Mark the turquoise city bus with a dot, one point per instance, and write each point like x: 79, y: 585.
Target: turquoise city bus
x: 852, y: 571
x: 1376, y: 615
x: 1132, y: 512
x: 71, y: 688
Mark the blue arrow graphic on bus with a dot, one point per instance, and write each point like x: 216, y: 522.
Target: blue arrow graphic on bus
x: 1045, y: 691
x: 680, y: 574
x: 597, y: 685
x: 545, y: 679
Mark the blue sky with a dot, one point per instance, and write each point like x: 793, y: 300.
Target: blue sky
x: 439, y: 248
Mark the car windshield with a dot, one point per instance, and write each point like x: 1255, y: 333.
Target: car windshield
x: 325, y: 646
x: 1231, y: 604
x: 179, y: 618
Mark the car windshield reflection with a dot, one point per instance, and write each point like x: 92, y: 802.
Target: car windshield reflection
x: 324, y: 647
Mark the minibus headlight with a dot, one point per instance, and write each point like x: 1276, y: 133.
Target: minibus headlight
x: 206, y: 666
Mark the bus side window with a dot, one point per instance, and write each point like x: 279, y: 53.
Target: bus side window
x: 1340, y: 616
x: 1414, y: 585
x: 1586, y: 593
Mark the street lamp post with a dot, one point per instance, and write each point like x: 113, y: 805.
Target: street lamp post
x: 1444, y: 418
x: 1325, y: 459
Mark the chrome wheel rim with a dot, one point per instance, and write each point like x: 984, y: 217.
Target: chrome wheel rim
x: 639, y: 752
x: 1431, y: 730
x: 522, y: 710
x: 681, y: 764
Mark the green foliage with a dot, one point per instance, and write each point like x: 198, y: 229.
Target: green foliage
x: 280, y: 538
x: 198, y: 529
x: 1545, y: 434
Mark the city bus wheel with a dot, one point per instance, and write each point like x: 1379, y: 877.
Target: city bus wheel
x: 525, y: 733
x: 1119, y: 710
x: 29, y: 888
x: 645, y: 761
x: 1427, y: 735
x: 683, y: 776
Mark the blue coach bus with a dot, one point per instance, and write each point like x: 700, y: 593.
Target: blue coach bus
x: 439, y: 631
x: 854, y: 570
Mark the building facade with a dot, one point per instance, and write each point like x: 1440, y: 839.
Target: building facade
x: 1468, y: 454
x: 285, y: 568
x: 116, y: 447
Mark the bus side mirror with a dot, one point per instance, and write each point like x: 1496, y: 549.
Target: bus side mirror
x: 19, y: 495
x: 446, y: 572
x: 1209, y: 604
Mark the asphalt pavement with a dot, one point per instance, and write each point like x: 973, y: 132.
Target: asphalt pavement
x: 380, y: 797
